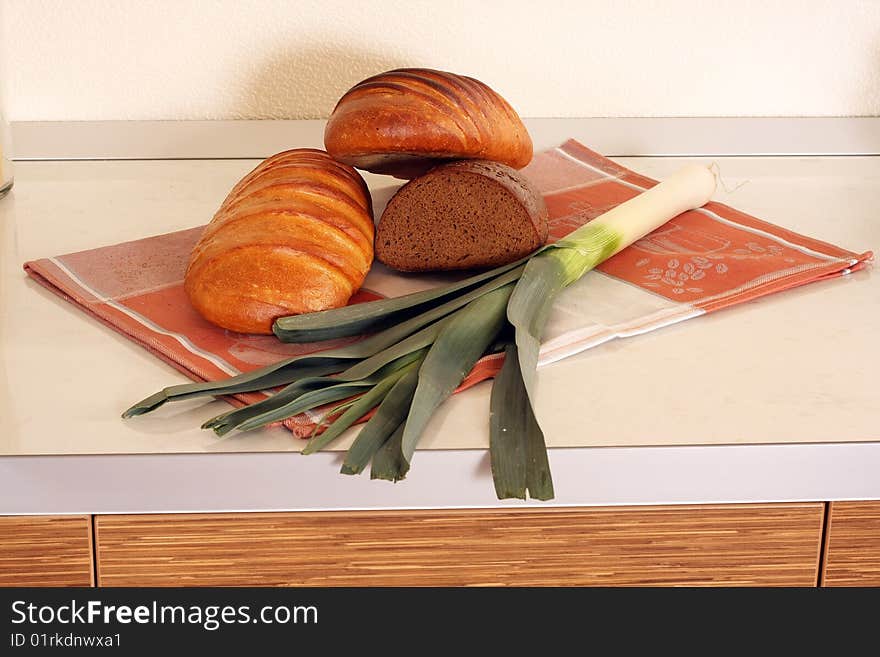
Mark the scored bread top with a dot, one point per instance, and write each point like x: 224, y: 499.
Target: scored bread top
x: 405, y: 121
x: 294, y: 235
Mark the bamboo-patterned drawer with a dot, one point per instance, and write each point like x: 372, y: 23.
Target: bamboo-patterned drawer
x: 46, y: 551
x: 852, y: 545
x: 770, y: 544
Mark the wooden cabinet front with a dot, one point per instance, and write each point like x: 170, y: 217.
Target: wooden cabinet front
x: 852, y: 545
x: 46, y: 551
x: 750, y: 544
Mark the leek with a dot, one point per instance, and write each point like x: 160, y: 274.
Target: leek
x: 426, y: 344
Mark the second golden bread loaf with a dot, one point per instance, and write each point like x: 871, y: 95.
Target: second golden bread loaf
x: 405, y: 121
x: 295, y: 235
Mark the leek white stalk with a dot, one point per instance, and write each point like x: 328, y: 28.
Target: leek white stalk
x: 686, y: 189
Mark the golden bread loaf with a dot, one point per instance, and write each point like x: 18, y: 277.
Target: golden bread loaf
x: 295, y: 235
x: 404, y: 122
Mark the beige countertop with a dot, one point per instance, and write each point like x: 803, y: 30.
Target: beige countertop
x: 798, y: 367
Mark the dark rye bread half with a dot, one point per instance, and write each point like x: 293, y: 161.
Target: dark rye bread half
x: 464, y: 215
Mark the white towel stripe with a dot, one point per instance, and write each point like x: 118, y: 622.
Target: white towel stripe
x: 573, y: 342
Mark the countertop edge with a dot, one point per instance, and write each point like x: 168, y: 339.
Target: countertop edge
x: 261, y: 482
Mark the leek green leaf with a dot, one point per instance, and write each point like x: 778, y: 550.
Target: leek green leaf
x: 304, y: 402
x: 390, y: 415
x: 265, y: 378
x: 400, y: 352
x: 374, y: 315
x: 354, y: 410
x: 283, y: 396
x: 302, y: 396
x: 388, y: 462
x: 517, y: 450
x: 415, y: 342
x: 507, y: 439
x: 529, y: 308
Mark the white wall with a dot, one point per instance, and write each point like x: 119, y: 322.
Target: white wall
x: 220, y: 59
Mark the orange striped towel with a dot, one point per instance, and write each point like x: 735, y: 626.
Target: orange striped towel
x: 699, y: 262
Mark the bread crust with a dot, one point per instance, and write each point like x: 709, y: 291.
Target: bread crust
x: 294, y: 235
x: 405, y: 121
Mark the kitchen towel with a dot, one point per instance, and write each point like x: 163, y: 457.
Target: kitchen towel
x: 700, y: 261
